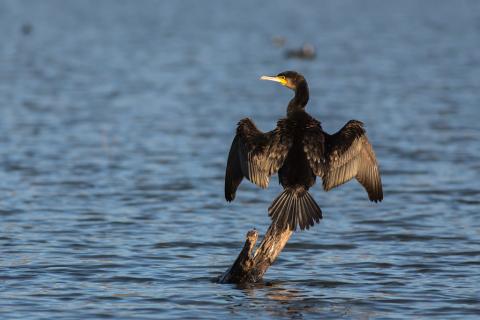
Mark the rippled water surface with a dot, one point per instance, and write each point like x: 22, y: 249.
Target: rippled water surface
x: 116, y: 118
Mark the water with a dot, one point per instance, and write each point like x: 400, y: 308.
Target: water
x: 116, y: 118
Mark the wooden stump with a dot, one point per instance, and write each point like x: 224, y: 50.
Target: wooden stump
x: 249, y: 267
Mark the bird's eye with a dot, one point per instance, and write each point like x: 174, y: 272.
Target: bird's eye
x: 282, y: 77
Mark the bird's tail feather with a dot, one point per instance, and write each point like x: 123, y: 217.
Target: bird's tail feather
x: 295, y: 207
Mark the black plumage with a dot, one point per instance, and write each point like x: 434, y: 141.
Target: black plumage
x: 299, y: 150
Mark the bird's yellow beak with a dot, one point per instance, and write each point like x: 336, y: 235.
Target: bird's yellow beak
x: 282, y: 80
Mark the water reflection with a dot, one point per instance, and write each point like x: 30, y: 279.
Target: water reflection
x: 284, y: 300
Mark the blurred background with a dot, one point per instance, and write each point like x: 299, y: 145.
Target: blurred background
x: 115, y: 122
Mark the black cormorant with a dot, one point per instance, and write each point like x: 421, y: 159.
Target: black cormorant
x: 299, y: 150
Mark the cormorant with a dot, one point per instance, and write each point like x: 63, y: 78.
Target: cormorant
x: 299, y: 150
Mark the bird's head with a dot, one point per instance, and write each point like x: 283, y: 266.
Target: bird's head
x: 289, y: 79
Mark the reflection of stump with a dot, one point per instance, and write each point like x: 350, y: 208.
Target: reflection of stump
x: 251, y: 267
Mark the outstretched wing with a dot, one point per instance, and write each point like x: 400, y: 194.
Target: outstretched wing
x: 347, y: 154
x: 314, y: 146
x: 255, y: 155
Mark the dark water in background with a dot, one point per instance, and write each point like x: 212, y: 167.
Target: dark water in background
x: 116, y: 118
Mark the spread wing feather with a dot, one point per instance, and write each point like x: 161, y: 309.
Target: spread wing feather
x: 346, y: 154
x: 314, y: 146
x: 255, y: 155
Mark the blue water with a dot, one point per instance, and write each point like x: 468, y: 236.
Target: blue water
x: 115, y: 122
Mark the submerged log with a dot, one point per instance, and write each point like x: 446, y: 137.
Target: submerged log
x: 248, y: 267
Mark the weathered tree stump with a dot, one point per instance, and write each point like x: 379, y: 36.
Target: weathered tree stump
x: 248, y: 267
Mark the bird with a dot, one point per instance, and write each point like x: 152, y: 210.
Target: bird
x: 300, y: 151
x: 306, y: 52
